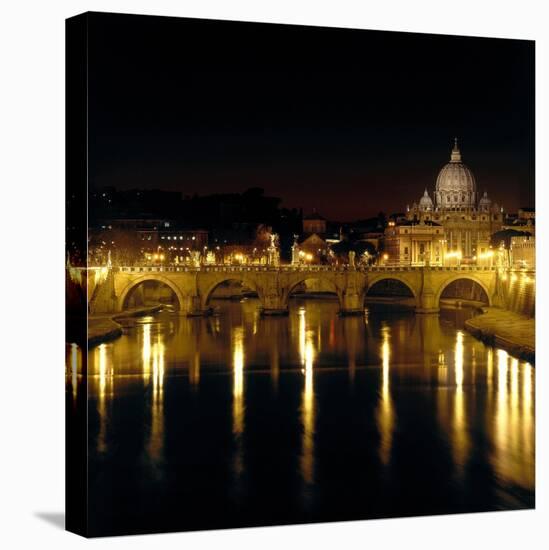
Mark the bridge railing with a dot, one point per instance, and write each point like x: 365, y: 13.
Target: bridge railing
x: 294, y: 268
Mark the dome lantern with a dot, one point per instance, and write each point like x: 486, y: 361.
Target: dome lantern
x: 456, y: 154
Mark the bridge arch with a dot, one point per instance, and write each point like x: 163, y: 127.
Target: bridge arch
x: 447, y: 282
x: 149, y: 277
x: 211, y: 286
x: 394, y: 277
x: 295, y: 282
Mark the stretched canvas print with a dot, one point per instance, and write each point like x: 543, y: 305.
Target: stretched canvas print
x: 300, y: 274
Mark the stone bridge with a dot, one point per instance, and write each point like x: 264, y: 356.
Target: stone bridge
x: 194, y: 287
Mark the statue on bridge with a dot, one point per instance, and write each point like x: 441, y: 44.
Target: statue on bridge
x: 273, y: 250
x: 352, y: 259
x: 295, y: 252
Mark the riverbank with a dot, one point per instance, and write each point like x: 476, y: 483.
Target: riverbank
x: 505, y: 329
x: 102, y: 328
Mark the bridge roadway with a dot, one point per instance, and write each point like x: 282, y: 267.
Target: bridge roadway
x: 193, y: 286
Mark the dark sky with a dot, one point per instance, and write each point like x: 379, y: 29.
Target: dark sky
x: 345, y: 121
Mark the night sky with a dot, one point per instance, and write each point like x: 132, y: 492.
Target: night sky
x: 347, y: 122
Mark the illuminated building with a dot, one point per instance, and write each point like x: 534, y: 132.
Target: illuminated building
x: 313, y: 249
x: 414, y: 244
x: 523, y: 252
x: 467, y: 219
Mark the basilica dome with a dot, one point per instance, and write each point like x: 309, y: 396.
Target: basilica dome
x: 455, y: 187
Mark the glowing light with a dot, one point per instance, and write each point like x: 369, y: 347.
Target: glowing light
x: 103, y: 374
x: 527, y: 428
x: 461, y: 441
x: 156, y: 438
x: 514, y: 410
x: 238, y: 397
x: 146, y: 352
x: 238, y: 380
x: 102, y: 364
x: 501, y: 416
x: 307, y: 353
x: 513, y: 456
x: 385, y: 411
x: 458, y: 357
x: 486, y: 255
x: 489, y: 368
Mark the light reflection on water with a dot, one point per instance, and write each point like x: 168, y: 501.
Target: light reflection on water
x: 386, y: 415
x: 238, y: 380
x: 307, y: 356
x: 469, y: 404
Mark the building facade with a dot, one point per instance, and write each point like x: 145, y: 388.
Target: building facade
x: 523, y: 252
x: 414, y: 243
x: 314, y: 223
x: 467, y: 218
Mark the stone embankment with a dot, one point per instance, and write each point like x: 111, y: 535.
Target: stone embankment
x: 505, y: 329
x: 102, y: 328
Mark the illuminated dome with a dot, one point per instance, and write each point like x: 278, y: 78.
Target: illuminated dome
x: 425, y: 203
x: 455, y: 187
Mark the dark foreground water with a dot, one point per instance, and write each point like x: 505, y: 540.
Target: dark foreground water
x: 238, y: 420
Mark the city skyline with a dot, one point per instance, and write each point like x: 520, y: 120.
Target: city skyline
x: 322, y: 123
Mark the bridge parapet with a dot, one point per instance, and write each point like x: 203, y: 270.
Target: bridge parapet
x: 294, y: 269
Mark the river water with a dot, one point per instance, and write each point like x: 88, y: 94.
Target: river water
x: 239, y: 420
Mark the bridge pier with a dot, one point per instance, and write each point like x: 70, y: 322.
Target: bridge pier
x: 192, y: 307
x: 427, y: 303
x: 351, y: 300
x: 351, y: 304
x: 273, y: 303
